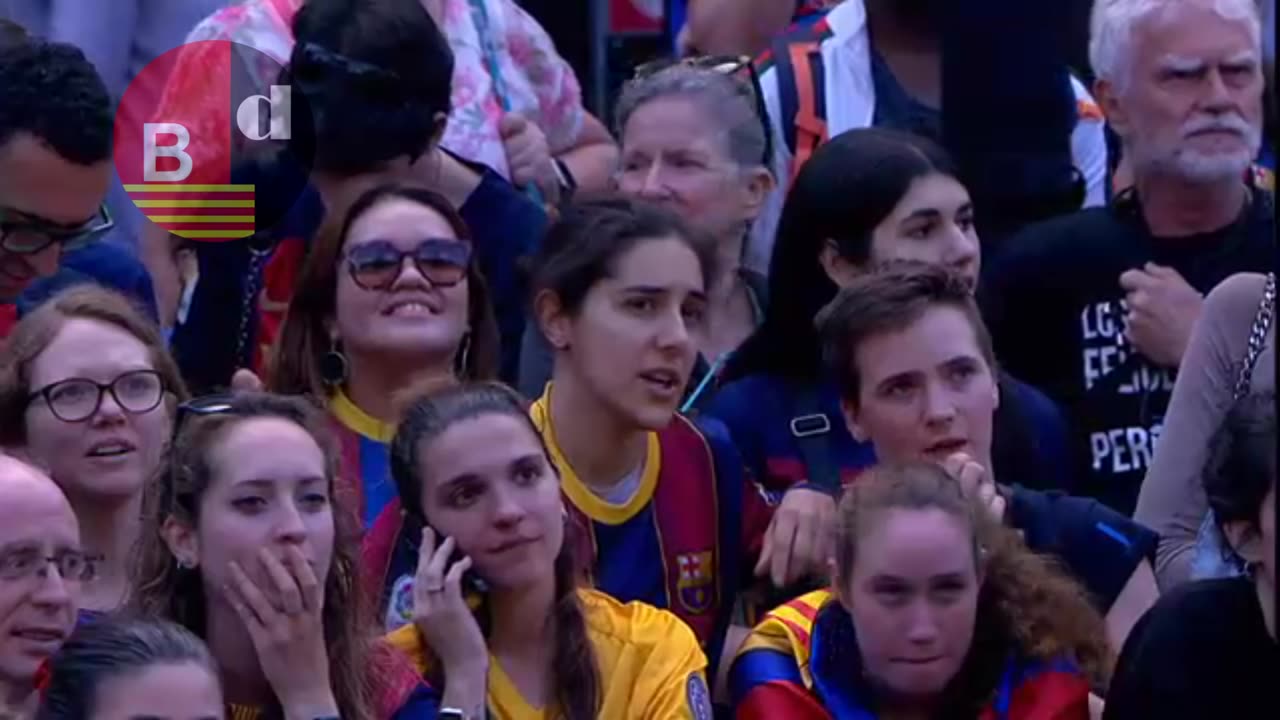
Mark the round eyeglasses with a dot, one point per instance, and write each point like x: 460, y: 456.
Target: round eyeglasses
x: 77, y: 399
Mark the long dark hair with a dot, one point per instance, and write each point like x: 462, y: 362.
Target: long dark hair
x: 109, y: 648
x: 847, y: 188
x: 428, y: 413
x: 162, y: 589
x: 304, y: 337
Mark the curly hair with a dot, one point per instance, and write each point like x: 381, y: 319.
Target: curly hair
x: 51, y: 91
x: 164, y: 590
x: 1026, y: 603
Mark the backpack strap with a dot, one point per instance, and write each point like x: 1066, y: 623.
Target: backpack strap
x: 810, y: 426
x: 797, y: 57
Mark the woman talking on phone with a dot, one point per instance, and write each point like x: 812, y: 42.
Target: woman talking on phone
x: 669, y: 518
x: 244, y: 547
x: 525, y: 641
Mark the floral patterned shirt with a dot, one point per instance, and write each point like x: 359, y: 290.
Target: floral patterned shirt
x: 538, y: 82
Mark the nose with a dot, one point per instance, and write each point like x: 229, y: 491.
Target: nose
x: 923, y: 628
x: 1217, y: 96
x: 51, y: 589
x: 507, y: 508
x: 962, y: 250
x: 653, y: 185
x: 289, y: 528
x: 45, y: 262
x: 409, y: 275
x: 109, y: 411
x: 673, y: 332
x: 939, y: 407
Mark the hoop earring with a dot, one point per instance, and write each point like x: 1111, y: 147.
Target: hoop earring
x: 463, y: 358
x: 333, y: 366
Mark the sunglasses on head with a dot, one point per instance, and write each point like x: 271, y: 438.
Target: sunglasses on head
x: 199, y: 407
x: 375, y: 265
x: 735, y: 66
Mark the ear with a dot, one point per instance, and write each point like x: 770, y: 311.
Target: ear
x: 1245, y: 540
x: 555, y: 323
x: 441, y: 121
x: 850, y: 414
x: 182, y: 541
x: 757, y: 184
x: 840, y: 270
x: 1105, y: 92
x: 995, y: 393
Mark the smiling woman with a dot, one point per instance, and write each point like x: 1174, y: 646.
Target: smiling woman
x: 88, y: 390
x: 390, y: 293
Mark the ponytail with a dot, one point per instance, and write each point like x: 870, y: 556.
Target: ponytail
x: 577, y: 678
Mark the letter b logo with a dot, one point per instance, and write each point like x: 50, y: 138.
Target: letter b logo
x: 208, y: 145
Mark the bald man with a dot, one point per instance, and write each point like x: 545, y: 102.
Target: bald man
x: 41, y: 568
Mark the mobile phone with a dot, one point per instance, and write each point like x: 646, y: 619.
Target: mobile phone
x: 472, y: 583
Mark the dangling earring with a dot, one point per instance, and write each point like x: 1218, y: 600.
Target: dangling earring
x: 184, y: 564
x: 464, y: 356
x: 333, y: 365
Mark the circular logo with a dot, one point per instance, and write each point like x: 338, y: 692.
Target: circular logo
x: 400, y: 606
x: 212, y: 143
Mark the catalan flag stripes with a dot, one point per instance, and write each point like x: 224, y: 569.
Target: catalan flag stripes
x: 198, y: 212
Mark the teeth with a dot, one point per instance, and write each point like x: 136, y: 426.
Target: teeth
x: 110, y: 450
x: 411, y: 309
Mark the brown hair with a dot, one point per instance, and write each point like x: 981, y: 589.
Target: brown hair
x: 889, y: 300
x: 162, y: 589
x: 33, y: 335
x: 575, y: 676
x: 1026, y: 603
x: 304, y: 337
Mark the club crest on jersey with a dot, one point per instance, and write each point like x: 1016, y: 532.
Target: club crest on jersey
x: 400, y: 604
x: 699, y: 697
x: 696, y: 585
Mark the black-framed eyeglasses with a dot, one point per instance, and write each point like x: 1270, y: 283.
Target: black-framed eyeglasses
x: 376, y: 264
x: 24, y: 562
x: 76, y: 399
x: 24, y: 235
x: 732, y: 65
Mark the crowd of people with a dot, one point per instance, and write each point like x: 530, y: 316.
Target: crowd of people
x: 879, y: 359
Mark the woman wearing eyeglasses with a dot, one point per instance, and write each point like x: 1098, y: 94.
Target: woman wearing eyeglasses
x: 390, y: 294
x: 693, y: 139
x: 87, y: 390
x: 245, y: 547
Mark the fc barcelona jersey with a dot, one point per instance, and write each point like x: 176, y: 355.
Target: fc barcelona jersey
x: 802, y: 663
x: 365, y: 460
x: 687, y: 557
x: 650, y: 665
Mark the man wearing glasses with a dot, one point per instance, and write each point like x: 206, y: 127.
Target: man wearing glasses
x: 42, y: 567
x: 55, y: 168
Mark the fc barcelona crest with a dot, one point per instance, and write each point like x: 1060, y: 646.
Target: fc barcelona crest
x: 696, y: 585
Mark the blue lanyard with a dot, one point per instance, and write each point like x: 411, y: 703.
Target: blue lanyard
x: 480, y: 16
x: 706, y: 380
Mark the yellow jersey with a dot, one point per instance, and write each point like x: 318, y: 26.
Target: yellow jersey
x: 650, y: 665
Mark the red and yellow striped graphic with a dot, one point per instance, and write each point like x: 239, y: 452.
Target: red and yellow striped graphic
x: 197, y: 212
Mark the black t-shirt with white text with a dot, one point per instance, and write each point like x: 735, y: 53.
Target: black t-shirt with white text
x: 1053, y: 301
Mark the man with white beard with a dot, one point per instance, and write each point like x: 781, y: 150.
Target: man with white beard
x: 1095, y: 308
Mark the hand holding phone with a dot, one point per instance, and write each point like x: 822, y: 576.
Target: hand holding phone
x: 441, y: 613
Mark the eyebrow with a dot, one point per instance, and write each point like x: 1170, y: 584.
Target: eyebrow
x: 923, y: 214
x: 655, y: 290
x: 272, y: 482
